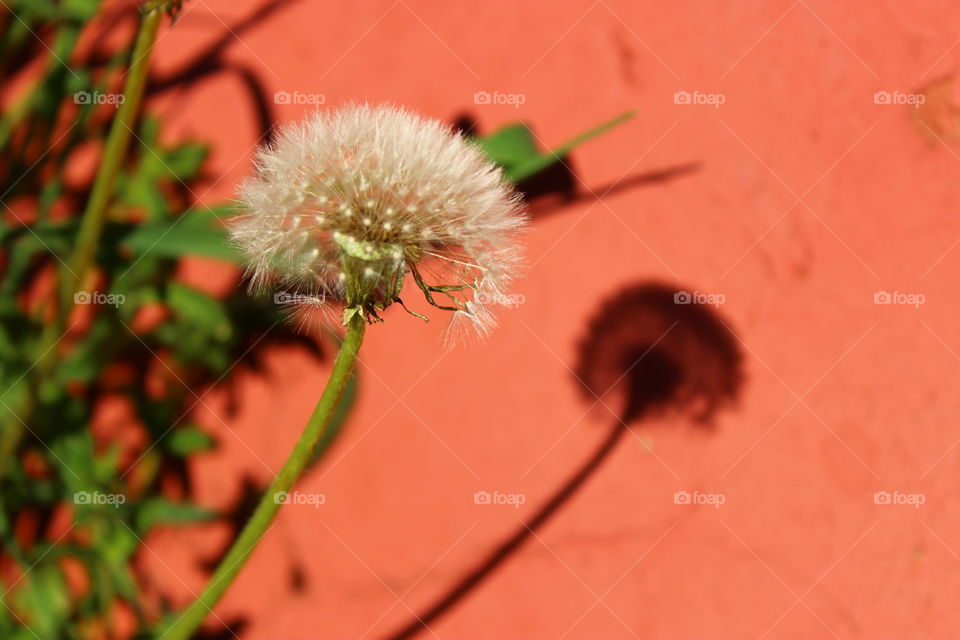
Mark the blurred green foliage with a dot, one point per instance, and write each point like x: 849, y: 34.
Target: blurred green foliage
x: 67, y: 498
x: 72, y: 504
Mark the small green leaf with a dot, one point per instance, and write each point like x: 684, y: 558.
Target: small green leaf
x: 513, y: 147
x: 45, y: 598
x: 188, y: 440
x: 161, y: 511
x: 184, y: 162
x: 536, y: 165
x: 510, y: 146
x: 80, y: 9
x: 199, y: 309
x: 24, y: 244
x: 74, y: 454
x: 193, y: 233
x: 86, y: 362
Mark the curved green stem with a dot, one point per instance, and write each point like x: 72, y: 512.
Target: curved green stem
x: 118, y: 140
x: 267, y: 509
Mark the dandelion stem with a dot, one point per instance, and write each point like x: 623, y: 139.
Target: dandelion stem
x: 184, y: 627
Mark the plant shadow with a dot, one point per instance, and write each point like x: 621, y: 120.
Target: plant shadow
x: 655, y: 356
x: 558, y: 186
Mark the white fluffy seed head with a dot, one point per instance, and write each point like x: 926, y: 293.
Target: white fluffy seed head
x: 343, y: 205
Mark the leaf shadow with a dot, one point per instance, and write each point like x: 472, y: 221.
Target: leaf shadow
x: 558, y: 186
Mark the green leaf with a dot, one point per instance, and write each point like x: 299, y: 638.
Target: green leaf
x: 108, y: 564
x: 514, y: 148
x: 510, y: 146
x: 46, y: 600
x: 105, y: 467
x: 188, y: 440
x: 73, y: 452
x: 193, y: 233
x: 183, y: 162
x: 144, y: 191
x: 24, y: 244
x: 199, y: 309
x: 161, y: 511
x: 80, y: 9
x: 86, y: 362
x: 200, y: 331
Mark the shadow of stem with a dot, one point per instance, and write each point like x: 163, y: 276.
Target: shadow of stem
x: 508, y: 547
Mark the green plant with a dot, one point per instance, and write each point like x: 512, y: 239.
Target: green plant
x: 72, y: 502
x: 53, y: 359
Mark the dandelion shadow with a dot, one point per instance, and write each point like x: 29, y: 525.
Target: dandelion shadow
x: 654, y: 357
x: 653, y: 352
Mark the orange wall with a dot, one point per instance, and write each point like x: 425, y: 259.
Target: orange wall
x: 807, y: 199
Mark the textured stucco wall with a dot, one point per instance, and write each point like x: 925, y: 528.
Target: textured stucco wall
x: 807, y: 199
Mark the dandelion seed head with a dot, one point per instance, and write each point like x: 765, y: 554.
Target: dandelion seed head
x: 347, y: 203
